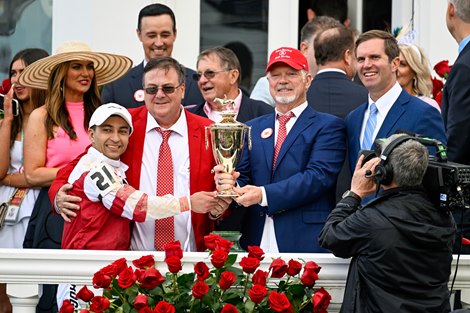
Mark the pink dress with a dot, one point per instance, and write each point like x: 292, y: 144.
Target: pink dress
x: 61, y: 150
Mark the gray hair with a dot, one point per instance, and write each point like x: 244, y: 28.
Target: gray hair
x: 227, y: 59
x: 462, y: 8
x: 408, y: 161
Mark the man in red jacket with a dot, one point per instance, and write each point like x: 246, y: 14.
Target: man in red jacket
x: 191, y: 161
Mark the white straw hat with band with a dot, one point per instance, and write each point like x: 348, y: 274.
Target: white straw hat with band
x: 108, y: 67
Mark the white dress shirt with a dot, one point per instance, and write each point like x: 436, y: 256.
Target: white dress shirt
x: 143, y: 233
x: 384, y: 104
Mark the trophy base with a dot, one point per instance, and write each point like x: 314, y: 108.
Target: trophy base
x: 227, y: 194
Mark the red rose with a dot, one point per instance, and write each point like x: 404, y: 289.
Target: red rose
x: 146, y: 309
x: 151, y: 278
x: 110, y: 270
x: 67, y: 307
x: 218, y: 258
x: 201, y: 270
x: 99, y: 304
x: 200, y: 288
x: 127, y: 278
x: 119, y: 265
x: 279, y: 302
x: 443, y: 68
x: 294, y: 267
x: 321, y: 300
x: 223, y: 244
x: 144, y: 262
x: 226, y: 280
x: 101, y: 280
x: 278, y: 267
x: 174, y: 264
x: 164, y: 307
x: 140, y: 302
x: 173, y: 248
x: 437, y: 86
x: 438, y: 98
x: 256, y: 252
x: 229, y: 308
x: 257, y: 293
x: 309, y: 278
x: 85, y: 294
x: 260, y: 277
x: 249, y: 264
x: 211, y: 240
x: 312, y: 266
x: 5, y: 87
x: 84, y: 311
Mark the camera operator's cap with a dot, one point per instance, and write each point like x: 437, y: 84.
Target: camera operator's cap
x: 290, y: 56
x: 103, y: 112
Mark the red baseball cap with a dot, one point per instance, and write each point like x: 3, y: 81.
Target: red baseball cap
x: 290, y: 56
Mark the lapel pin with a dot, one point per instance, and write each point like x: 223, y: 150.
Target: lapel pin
x: 139, y: 95
x: 267, y: 133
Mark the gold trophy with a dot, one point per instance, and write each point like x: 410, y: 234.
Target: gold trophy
x: 227, y: 138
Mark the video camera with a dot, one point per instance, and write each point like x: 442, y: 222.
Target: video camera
x: 447, y: 183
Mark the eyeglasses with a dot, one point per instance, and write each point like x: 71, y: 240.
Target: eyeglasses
x: 209, y: 74
x: 152, y: 90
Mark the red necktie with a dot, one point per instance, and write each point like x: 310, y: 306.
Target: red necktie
x: 281, y: 134
x: 165, y: 227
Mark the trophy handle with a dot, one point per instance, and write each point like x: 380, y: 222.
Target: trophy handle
x: 249, y: 137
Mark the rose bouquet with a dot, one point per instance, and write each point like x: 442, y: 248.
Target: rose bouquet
x: 442, y: 69
x: 285, y: 287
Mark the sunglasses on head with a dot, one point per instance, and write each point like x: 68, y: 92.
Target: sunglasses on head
x: 152, y: 90
x: 209, y: 74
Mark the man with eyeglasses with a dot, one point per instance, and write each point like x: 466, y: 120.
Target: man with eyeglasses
x: 167, y: 142
x: 288, y: 178
x: 218, y: 76
x: 156, y: 30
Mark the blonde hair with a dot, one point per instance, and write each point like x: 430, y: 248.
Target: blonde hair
x: 57, y: 114
x: 422, y: 85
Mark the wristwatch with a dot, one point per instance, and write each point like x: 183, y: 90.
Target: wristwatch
x: 350, y: 193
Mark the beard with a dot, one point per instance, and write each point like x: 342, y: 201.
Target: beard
x: 285, y: 99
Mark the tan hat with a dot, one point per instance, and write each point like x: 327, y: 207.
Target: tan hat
x: 108, y: 67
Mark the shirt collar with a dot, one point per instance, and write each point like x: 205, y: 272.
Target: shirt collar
x: 385, y: 103
x: 331, y: 69
x: 100, y: 157
x: 297, y: 110
x: 180, y: 127
x: 463, y: 43
x: 213, y: 115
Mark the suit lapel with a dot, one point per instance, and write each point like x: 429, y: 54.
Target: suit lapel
x: 194, y: 137
x: 137, y: 74
x: 244, y: 111
x: 395, y: 113
x: 267, y: 143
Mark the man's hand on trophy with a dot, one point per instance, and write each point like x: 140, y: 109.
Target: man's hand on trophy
x: 249, y: 195
x: 224, y: 180
x: 204, y: 201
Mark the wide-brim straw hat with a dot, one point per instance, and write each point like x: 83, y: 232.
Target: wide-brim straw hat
x: 108, y: 67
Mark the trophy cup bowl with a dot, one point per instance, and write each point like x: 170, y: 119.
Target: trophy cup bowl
x: 228, y: 138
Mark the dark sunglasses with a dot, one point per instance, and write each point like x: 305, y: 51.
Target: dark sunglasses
x: 166, y: 89
x: 209, y: 74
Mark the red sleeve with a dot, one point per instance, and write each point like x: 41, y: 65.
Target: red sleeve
x: 62, y: 177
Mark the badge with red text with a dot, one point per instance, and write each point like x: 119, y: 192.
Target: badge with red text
x: 139, y: 95
x: 14, y: 206
x: 267, y: 133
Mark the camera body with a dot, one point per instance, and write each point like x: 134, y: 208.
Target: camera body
x: 14, y: 103
x: 446, y: 183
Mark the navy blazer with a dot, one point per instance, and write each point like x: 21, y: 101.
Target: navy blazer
x: 301, y: 188
x: 407, y: 113
x: 122, y: 91
x: 249, y: 109
x: 456, y: 108
x: 335, y: 93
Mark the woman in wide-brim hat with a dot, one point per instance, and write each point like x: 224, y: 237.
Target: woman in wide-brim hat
x: 57, y: 131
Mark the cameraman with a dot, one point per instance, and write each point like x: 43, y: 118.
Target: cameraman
x: 400, y: 244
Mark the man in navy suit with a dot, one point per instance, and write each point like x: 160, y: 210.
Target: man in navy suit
x: 377, y: 56
x: 289, y: 186
x: 156, y: 30
x: 332, y: 89
x: 218, y: 76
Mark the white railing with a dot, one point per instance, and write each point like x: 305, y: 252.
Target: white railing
x: 24, y: 269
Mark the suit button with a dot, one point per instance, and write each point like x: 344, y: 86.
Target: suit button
x: 261, y: 214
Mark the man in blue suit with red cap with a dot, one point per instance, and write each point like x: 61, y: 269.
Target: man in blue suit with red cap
x: 288, y: 178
